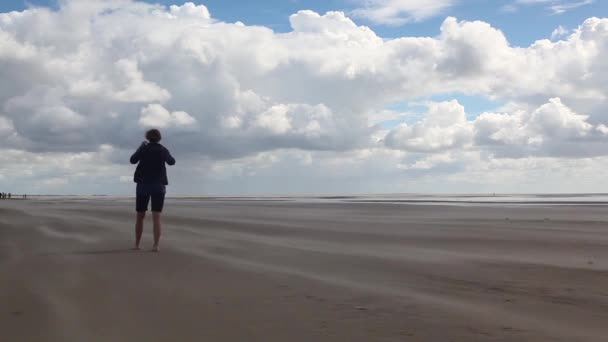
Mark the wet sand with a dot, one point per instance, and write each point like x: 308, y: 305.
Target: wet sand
x: 240, y: 270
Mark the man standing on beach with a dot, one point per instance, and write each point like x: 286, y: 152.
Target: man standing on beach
x: 151, y: 178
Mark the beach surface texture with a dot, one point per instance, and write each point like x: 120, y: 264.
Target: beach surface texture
x: 334, y: 269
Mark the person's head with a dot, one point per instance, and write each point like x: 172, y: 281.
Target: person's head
x: 153, y: 136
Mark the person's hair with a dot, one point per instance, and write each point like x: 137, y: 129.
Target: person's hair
x: 153, y: 135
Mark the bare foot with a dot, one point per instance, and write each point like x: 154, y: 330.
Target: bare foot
x: 155, y: 249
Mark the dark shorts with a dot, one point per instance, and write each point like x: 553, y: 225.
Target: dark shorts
x: 145, y: 192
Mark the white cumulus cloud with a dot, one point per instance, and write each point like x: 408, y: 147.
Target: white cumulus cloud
x: 444, y: 127
x: 156, y: 116
x: 97, y: 73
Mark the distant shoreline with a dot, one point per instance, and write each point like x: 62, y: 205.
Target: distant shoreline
x: 598, y: 199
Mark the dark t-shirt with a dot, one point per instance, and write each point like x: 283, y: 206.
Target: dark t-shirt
x: 151, y: 168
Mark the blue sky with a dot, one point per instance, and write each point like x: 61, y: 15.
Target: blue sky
x: 522, y: 26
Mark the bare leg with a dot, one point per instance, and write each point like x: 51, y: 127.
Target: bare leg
x: 157, y: 229
x: 139, y: 227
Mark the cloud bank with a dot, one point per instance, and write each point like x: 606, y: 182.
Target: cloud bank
x: 81, y: 83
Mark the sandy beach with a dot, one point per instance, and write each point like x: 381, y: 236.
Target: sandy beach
x: 244, y: 270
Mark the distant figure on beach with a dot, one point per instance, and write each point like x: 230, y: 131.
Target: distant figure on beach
x: 151, y: 178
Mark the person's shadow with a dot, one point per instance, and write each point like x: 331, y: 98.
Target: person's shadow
x: 95, y: 252
x: 110, y: 251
